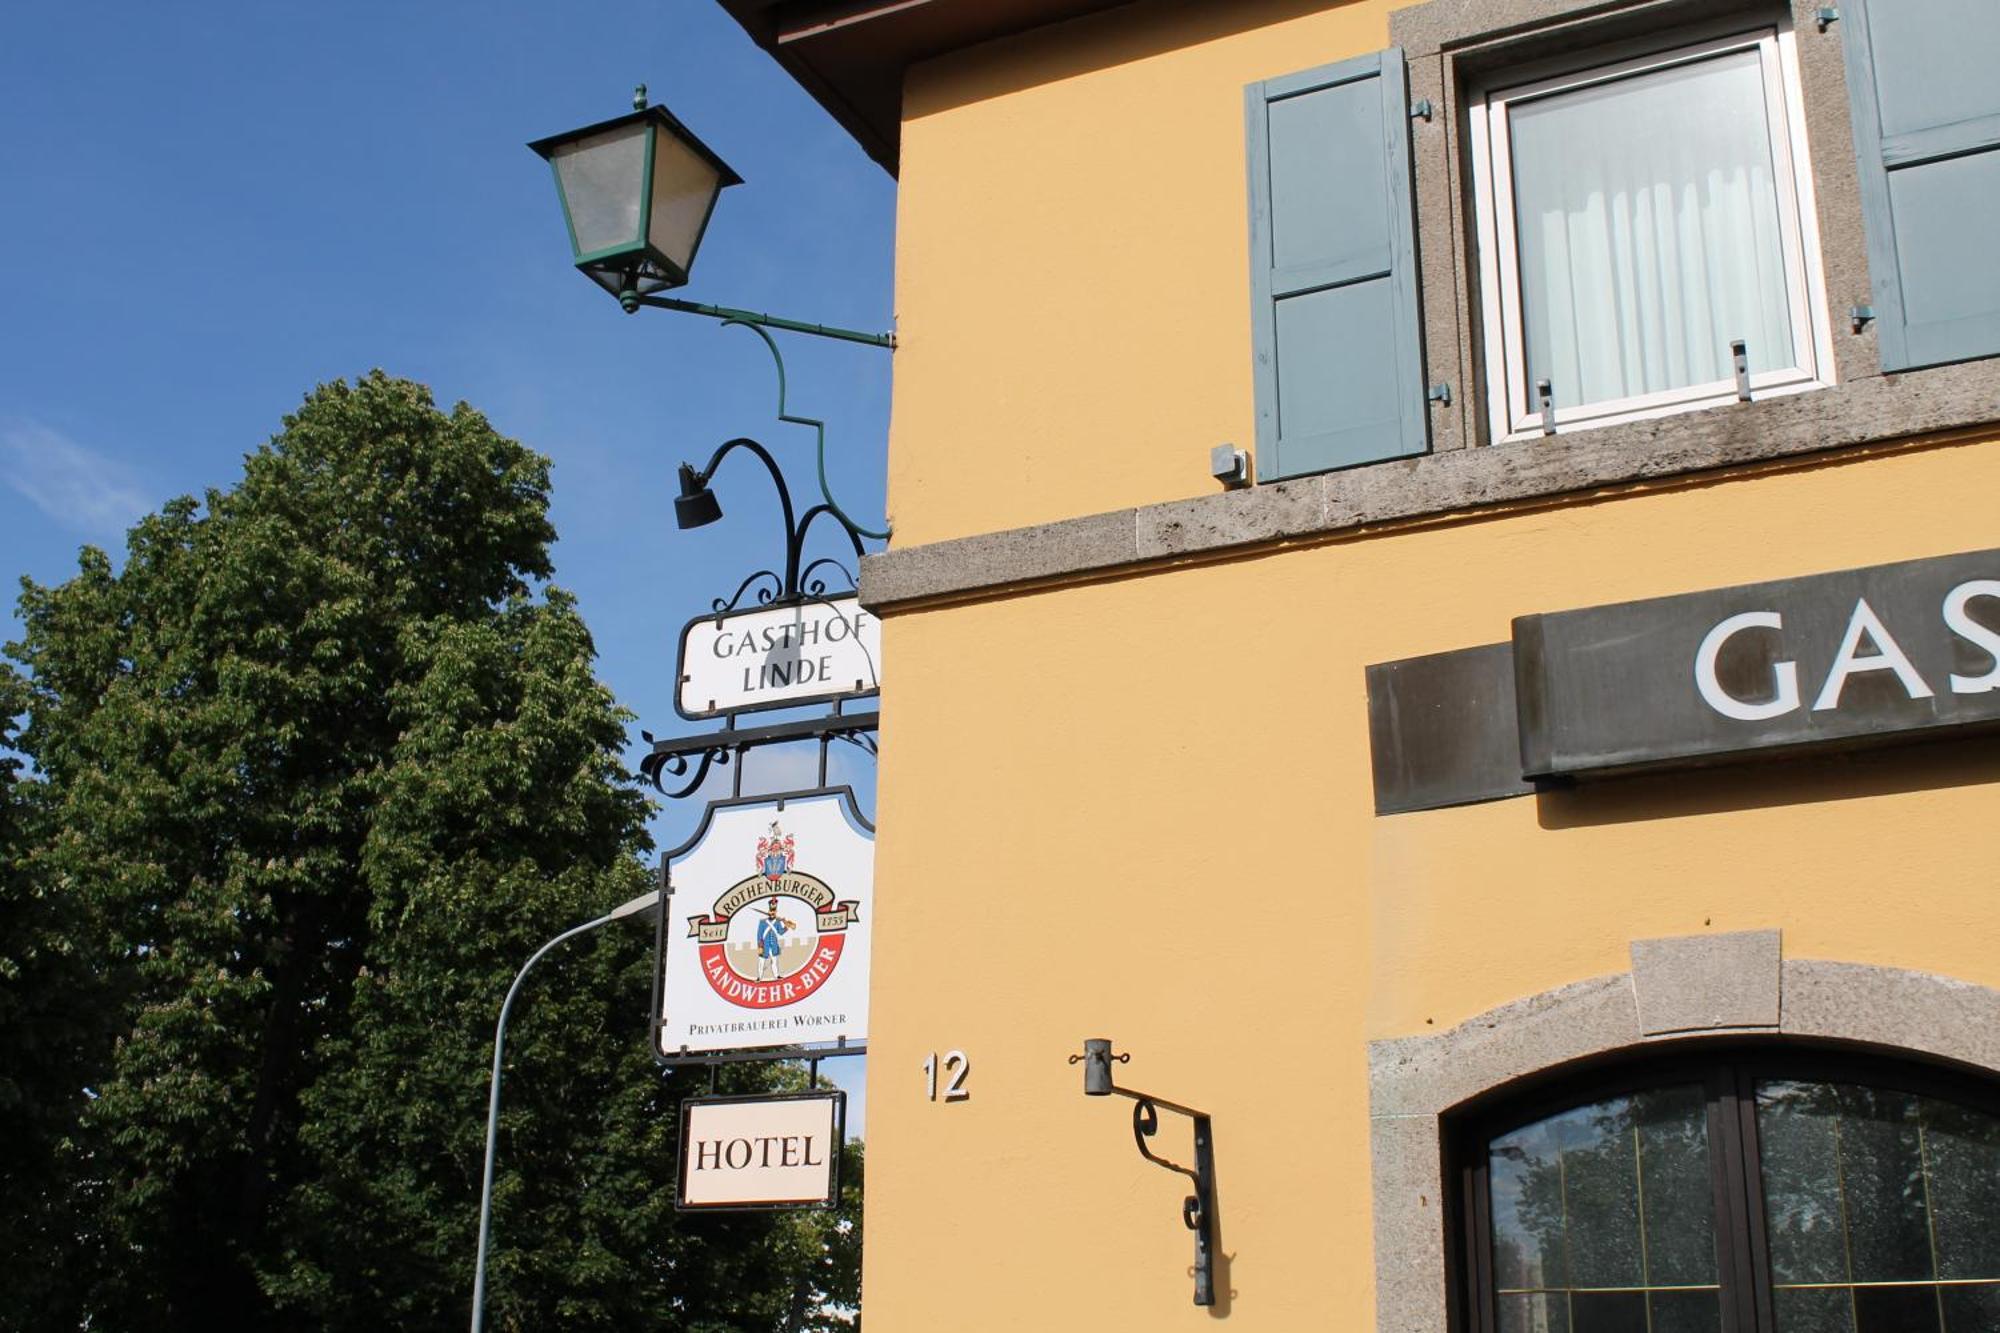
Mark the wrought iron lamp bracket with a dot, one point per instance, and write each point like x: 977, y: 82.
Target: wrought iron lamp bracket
x: 819, y: 431
x: 694, y: 483
x: 1198, y: 1208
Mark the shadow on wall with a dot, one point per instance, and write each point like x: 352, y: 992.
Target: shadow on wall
x: 1850, y: 775
x: 1119, y: 36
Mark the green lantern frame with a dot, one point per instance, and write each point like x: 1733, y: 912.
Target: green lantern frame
x: 633, y: 268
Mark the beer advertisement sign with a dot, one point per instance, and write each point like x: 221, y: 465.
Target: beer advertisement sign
x: 764, y: 939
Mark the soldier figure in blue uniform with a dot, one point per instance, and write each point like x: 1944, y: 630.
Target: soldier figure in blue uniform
x: 770, y: 941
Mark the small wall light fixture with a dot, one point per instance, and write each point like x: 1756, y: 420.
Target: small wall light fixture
x: 697, y: 507
x: 1230, y: 466
x: 1198, y: 1209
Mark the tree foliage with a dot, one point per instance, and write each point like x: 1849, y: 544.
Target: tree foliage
x: 315, y: 771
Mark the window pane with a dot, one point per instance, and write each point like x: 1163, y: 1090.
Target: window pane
x: 600, y: 179
x: 1882, y: 1212
x: 1882, y: 1176
x: 1617, y: 1194
x: 1526, y: 1175
x: 1608, y: 1311
x: 1963, y: 1150
x: 1802, y: 1205
x: 1647, y: 221
x: 1971, y: 1309
x: 1896, y: 1310
x: 1686, y: 1311
x: 1678, y: 1188
x: 1815, y: 1310
x: 1601, y: 1187
x: 1534, y: 1314
x: 1884, y: 1189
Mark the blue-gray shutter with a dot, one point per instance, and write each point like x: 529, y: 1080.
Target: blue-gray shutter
x: 1339, y: 354
x: 1924, y: 80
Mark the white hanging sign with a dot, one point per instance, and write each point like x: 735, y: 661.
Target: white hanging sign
x: 765, y: 936
x: 803, y: 652
x: 761, y: 1152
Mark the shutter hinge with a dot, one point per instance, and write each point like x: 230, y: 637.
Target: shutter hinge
x: 1440, y: 394
x: 1859, y: 316
x: 1421, y: 110
x: 1826, y: 15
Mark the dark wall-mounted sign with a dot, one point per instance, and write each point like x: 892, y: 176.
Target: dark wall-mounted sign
x: 1900, y: 651
x: 1831, y: 658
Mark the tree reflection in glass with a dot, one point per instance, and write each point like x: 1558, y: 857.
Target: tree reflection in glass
x: 1604, y: 1219
x: 1882, y: 1209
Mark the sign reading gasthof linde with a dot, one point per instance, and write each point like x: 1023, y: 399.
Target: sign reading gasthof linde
x: 801, y: 652
x: 765, y: 941
x: 765, y: 1152
x: 1889, y: 651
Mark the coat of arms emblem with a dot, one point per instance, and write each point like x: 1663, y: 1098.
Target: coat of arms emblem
x: 775, y: 853
x: 759, y: 953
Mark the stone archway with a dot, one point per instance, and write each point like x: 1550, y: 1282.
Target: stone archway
x: 1722, y: 985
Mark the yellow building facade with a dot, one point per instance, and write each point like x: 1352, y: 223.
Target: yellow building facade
x: 1130, y: 787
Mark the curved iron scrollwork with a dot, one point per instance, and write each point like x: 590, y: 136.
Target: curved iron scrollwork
x: 765, y: 596
x: 676, y: 756
x: 813, y: 587
x: 653, y: 766
x: 1198, y: 1208
x: 861, y: 740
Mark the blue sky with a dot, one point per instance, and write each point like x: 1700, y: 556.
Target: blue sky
x: 212, y: 208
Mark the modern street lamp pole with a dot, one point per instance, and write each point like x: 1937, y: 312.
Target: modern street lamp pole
x: 640, y: 904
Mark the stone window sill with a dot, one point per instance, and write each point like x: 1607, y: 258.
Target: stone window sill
x: 1849, y: 418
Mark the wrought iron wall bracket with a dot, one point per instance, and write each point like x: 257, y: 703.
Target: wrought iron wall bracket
x: 674, y: 755
x: 1198, y: 1208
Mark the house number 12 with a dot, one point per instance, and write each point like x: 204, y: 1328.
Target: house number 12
x: 956, y: 1067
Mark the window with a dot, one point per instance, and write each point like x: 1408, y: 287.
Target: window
x: 1439, y: 229
x: 1636, y: 220
x: 1753, y: 1194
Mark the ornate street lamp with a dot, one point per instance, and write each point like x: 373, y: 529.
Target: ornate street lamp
x: 637, y: 193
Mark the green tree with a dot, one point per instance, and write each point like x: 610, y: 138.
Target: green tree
x: 319, y: 767
x: 49, y: 1026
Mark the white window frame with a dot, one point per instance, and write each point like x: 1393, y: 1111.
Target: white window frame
x: 1513, y: 412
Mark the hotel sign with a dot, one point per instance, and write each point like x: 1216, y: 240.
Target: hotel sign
x: 764, y: 935
x: 1892, y: 652
x: 779, y: 656
x: 743, y: 1153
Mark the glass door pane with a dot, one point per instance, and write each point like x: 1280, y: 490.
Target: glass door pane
x: 1604, y: 1218
x: 1882, y: 1209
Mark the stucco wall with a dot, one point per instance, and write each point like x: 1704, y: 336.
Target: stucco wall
x: 1139, y: 807
x: 1072, y: 287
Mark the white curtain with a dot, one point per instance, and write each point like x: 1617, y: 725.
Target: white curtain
x: 1646, y: 214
